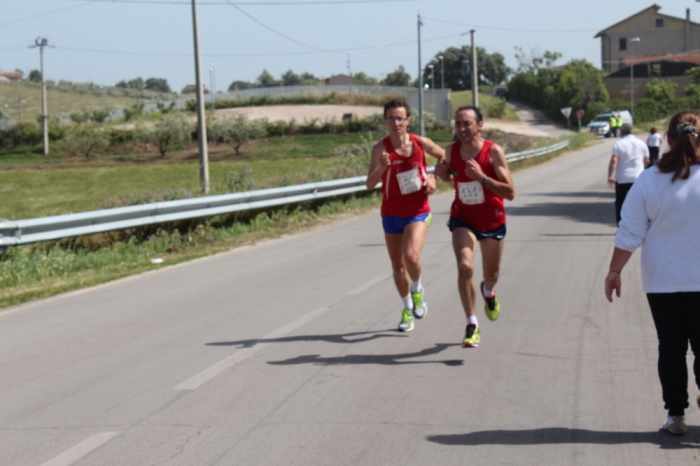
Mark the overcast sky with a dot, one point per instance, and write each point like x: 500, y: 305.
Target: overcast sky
x: 104, y: 41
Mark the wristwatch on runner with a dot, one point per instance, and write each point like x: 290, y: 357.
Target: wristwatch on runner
x: 485, y: 181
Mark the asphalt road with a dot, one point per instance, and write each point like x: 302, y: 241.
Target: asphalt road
x: 286, y: 354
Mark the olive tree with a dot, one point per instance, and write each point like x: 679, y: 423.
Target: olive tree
x: 84, y: 139
x: 171, y: 130
x: 236, y: 131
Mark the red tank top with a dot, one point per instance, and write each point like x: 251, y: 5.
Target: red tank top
x: 475, y: 204
x: 402, y: 182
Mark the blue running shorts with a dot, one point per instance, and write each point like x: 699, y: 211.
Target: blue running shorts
x: 395, y: 225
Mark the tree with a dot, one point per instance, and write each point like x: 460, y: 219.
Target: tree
x: 532, y: 62
x: 35, y: 76
x: 266, y: 80
x: 83, y: 139
x: 157, y: 84
x: 236, y: 131
x: 398, y: 77
x: 290, y: 79
x: 131, y: 84
x: 171, y: 130
x: 363, y: 80
x: 491, y: 67
x: 309, y: 79
x: 240, y: 85
x: 663, y: 90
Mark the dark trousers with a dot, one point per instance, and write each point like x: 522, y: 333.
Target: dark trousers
x: 621, y: 190
x: 677, y: 320
x: 653, y: 156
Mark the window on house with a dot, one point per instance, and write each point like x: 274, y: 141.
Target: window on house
x: 623, y: 43
x: 659, y: 23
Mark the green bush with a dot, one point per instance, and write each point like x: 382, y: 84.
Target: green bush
x: 120, y: 136
x: 646, y: 110
x: 663, y: 90
x: 496, y: 109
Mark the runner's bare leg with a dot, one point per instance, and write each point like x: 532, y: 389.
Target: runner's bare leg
x: 464, y: 244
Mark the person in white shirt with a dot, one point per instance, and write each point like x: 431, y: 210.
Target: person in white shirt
x: 654, y: 144
x: 629, y: 157
x: 660, y: 215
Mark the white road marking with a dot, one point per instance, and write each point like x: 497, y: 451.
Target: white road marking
x: 86, y: 446
x: 243, y: 354
x: 368, y: 285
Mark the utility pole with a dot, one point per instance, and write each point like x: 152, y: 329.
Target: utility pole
x: 475, y: 73
x: 632, y: 41
x: 42, y: 42
x: 201, y: 124
x: 421, y: 131
x: 349, y: 75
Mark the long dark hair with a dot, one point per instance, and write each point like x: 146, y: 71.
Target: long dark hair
x: 682, y: 135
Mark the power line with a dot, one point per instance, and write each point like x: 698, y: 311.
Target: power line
x: 510, y: 29
x: 43, y: 14
x: 291, y: 39
x: 308, y: 2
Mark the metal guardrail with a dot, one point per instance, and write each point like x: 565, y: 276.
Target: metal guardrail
x: 19, y: 232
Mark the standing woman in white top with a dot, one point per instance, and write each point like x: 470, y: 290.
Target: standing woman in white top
x: 660, y: 214
x: 654, y: 143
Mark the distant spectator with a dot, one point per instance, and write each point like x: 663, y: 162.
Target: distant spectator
x: 629, y: 157
x: 654, y: 144
x: 660, y: 216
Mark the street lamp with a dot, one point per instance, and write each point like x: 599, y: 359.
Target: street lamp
x: 632, y: 41
x: 442, y: 72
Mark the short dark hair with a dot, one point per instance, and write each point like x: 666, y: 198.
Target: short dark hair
x: 397, y: 104
x: 653, y: 130
x: 477, y: 112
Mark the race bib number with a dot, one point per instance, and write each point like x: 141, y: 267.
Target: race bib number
x: 471, y: 193
x: 409, y: 181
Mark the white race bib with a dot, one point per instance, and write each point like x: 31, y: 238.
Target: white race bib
x: 471, y: 193
x: 409, y: 181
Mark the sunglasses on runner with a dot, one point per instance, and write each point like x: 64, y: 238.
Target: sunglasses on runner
x: 396, y: 119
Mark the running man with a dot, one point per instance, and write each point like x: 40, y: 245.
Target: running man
x: 399, y: 162
x: 482, y: 180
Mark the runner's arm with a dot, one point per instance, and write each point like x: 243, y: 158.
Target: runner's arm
x: 503, y: 186
x: 436, y: 151
x: 379, y: 162
x: 442, y: 170
x: 611, y: 170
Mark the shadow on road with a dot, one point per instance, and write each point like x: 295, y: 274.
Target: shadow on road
x: 563, y: 435
x: 600, y: 194
x: 341, y: 338
x: 382, y: 359
x: 583, y: 212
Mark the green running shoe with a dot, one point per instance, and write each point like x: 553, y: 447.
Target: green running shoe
x: 471, y: 337
x: 491, y: 305
x: 406, y: 324
x: 420, y: 307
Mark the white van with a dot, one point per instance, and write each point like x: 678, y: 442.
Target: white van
x: 600, y: 125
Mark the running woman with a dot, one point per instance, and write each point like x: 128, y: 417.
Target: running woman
x: 482, y: 180
x: 399, y: 162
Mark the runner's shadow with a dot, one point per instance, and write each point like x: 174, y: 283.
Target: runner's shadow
x: 563, y: 435
x: 601, y: 194
x: 341, y: 338
x: 382, y: 359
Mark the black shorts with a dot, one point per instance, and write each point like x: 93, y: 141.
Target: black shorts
x: 497, y: 233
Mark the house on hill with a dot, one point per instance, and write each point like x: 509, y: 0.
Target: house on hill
x: 11, y: 75
x: 657, y: 45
